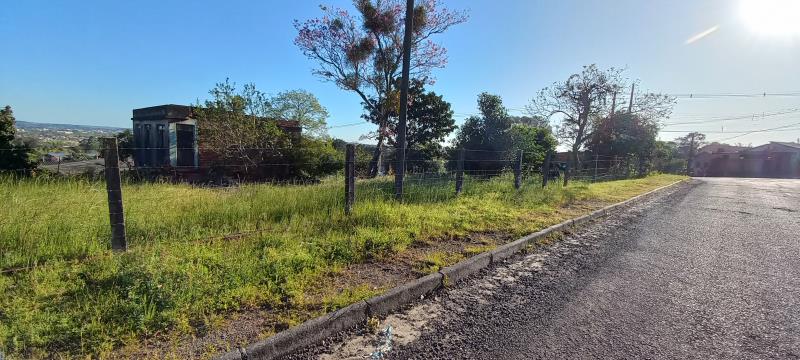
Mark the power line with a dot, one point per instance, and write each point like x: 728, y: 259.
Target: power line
x: 760, y: 131
x: 348, y: 125
x: 733, y: 95
x: 743, y: 117
x: 728, y: 132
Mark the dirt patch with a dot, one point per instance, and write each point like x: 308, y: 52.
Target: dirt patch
x: 396, y: 330
x: 328, y: 292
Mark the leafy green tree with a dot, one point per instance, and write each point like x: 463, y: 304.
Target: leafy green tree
x: 429, y: 121
x: 625, y: 135
x: 314, y: 158
x: 486, y: 136
x: 535, y: 142
x: 14, y: 156
x: 90, y: 143
x: 126, y: 147
x: 303, y: 107
x: 534, y: 121
x: 667, y: 158
x: 688, y: 146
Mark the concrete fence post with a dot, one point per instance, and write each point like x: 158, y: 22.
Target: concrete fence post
x: 546, y: 169
x: 114, y: 190
x: 628, y: 166
x: 460, y: 171
x: 518, y: 170
x: 349, y: 178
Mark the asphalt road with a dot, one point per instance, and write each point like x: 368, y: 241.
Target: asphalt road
x: 709, y: 271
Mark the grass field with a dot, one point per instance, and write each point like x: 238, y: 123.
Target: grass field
x: 199, y: 254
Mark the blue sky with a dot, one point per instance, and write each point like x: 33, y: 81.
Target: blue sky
x: 91, y: 62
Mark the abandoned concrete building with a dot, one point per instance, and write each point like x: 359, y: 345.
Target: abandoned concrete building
x: 166, y: 137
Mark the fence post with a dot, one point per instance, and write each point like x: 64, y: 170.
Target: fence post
x: 627, y: 166
x: 594, y: 176
x: 566, y: 174
x: 518, y: 171
x: 114, y: 189
x: 546, y: 169
x: 460, y: 171
x: 349, y: 178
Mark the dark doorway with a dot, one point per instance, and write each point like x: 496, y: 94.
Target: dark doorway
x: 185, y: 144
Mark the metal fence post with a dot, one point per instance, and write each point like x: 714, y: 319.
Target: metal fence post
x: 518, y: 171
x: 594, y: 176
x: 349, y: 178
x: 114, y: 189
x: 460, y: 171
x: 566, y: 174
x: 546, y: 169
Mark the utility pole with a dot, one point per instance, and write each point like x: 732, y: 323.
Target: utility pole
x: 401, y: 126
x: 613, y: 104
x: 690, y: 160
x: 611, y: 119
x: 630, y: 104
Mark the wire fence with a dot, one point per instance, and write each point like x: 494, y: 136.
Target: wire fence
x: 218, y: 199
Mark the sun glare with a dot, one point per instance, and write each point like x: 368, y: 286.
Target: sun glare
x: 772, y: 17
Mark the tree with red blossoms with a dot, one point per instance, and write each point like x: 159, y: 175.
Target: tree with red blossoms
x: 363, y: 53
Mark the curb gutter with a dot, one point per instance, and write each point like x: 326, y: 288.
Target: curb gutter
x: 316, y: 330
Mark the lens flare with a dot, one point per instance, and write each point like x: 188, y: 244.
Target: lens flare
x: 771, y: 17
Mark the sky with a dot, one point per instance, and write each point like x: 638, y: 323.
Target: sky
x: 92, y: 62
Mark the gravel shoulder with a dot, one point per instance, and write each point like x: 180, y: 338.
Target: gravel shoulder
x: 670, y: 277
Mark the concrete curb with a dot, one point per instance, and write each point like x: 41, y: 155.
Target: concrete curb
x: 307, y: 333
x: 315, y: 330
x: 403, y: 294
x: 455, y: 273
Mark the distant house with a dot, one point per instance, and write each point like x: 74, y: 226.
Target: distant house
x: 166, y: 137
x: 716, y: 147
x: 54, y: 157
x: 773, y: 160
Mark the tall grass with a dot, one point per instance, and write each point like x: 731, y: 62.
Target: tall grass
x: 198, y: 253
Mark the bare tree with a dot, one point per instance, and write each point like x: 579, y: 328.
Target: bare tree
x: 236, y: 126
x: 584, y: 100
x: 578, y: 101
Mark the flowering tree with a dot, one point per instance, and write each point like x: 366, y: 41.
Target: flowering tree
x: 364, y: 53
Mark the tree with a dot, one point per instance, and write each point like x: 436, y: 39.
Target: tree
x: 236, y: 126
x: 535, y: 143
x: 487, y: 136
x: 303, y: 107
x: 534, y: 121
x: 667, y: 159
x: 578, y: 100
x: 584, y: 99
x: 688, y: 145
x: 363, y: 53
x: 126, y: 147
x: 429, y: 121
x: 625, y: 135
x: 14, y: 157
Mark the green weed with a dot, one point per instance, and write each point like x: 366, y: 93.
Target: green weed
x: 63, y: 293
